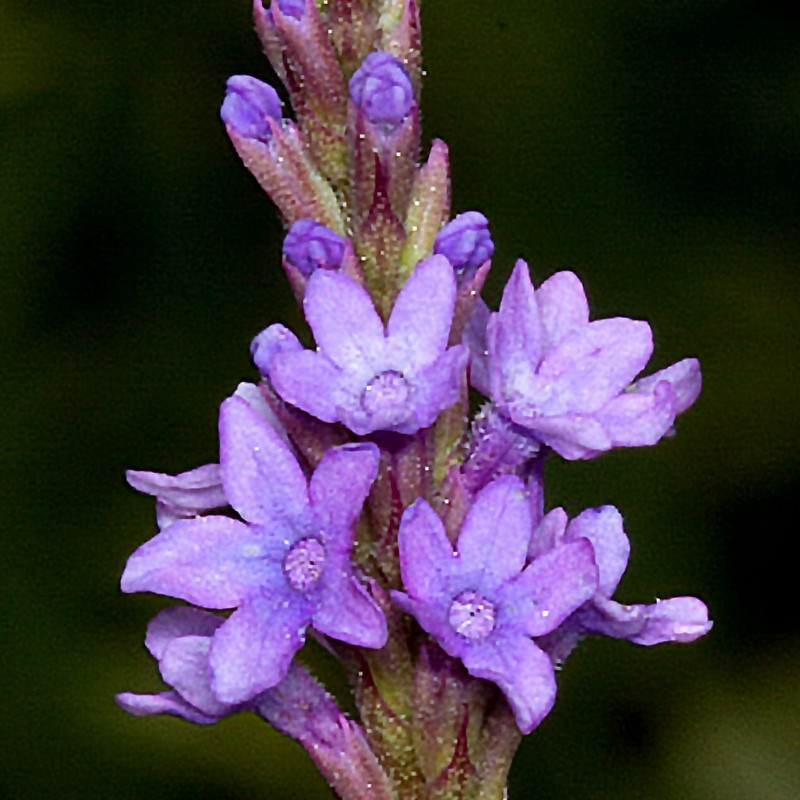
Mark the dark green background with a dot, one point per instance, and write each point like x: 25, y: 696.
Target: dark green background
x: 651, y: 147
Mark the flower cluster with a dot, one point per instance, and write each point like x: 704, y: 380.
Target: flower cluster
x: 353, y: 500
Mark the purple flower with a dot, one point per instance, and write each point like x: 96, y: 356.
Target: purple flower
x: 311, y: 246
x: 382, y: 88
x: 679, y: 619
x: 179, y: 638
x: 465, y: 241
x: 398, y: 379
x: 568, y: 380
x: 482, y: 604
x: 249, y: 104
x: 286, y: 567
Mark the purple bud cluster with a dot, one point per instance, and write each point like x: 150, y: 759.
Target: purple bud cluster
x: 382, y: 89
x: 354, y: 501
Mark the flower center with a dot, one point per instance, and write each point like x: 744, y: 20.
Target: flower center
x: 304, y: 563
x: 472, y: 615
x: 386, y: 397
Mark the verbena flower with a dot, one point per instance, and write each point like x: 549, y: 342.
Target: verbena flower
x: 678, y: 619
x: 381, y: 87
x: 179, y: 638
x: 465, y: 241
x: 482, y: 604
x: 310, y: 246
x: 569, y: 381
x: 395, y: 379
x: 285, y: 567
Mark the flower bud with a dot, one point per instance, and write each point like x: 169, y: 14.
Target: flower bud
x: 310, y: 246
x: 465, y: 241
x: 248, y: 104
x: 295, y: 38
x: 382, y: 88
x: 292, y: 8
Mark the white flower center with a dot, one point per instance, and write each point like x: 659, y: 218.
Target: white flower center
x: 304, y: 563
x: 472, y: 615
x: 386, y: 397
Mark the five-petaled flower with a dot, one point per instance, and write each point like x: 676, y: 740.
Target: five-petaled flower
x: 482, y: 603
x: 569, y: 381
x: 285, y: 567
x: 371, y: 379
x: 677, y: 619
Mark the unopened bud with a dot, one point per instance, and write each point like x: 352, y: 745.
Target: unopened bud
x: 249, y: 104
x: 465, y: 241
x: 292, y: 8
x: 382, y: 88
x: 310, y: 246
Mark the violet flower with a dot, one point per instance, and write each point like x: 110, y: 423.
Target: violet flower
x: 179, y: 638
x: 285, y: 567
x: 395, y: 379
x: 482, y: 604
x: 678, y: 619
x: 381, y: 87
x: 569, y: 381
x: 310, y: 246
x: 465, y: 241
x: 248, y: 104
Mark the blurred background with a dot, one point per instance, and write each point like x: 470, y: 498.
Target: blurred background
x: 651, y: 147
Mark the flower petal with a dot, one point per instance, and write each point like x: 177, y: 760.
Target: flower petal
x: 523, y: 672
x: 438, y: 386
x: 254, y: 397
x: 603, y: 527
x: 269, y: 343
x: 515, y: 336
x: 549, y: 533
x: 633, y: 419
x: 252, y: 651
x: 594, y: 363
x: 145, y: 705
x: 572, y: 436
x: 261, y: 476
x: 309, y: 381
x: 495, y: 535
x: 419, y: 325
x: 177, y: 621
x: 340, y: 312
x: 210, y: 561
x: 562, y: 305
x: 550, y: 589
x: 475, y: 339
x: 346, y: 612
x: 184, y: 666
x: 679, y: 619
x: 338, y: 489
x: 426, y: 555
x: 685, y: 379
x: 179, y: 496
